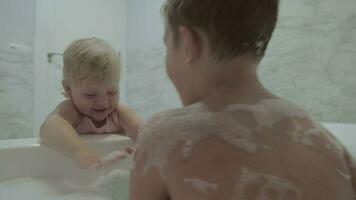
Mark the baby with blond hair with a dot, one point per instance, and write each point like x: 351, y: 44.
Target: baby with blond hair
x: 91, y: 75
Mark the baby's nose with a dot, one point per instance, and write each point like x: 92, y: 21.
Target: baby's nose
x: 103, y: 103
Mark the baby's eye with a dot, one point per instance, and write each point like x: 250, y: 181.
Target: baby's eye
x: 112, y: 93
x: 89, y: 95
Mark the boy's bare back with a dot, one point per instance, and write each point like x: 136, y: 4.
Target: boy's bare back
x: 266, y: 150
x: 233, y: 139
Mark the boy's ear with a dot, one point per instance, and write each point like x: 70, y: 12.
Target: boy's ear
x: 67, y: 92
x: 189, y: 43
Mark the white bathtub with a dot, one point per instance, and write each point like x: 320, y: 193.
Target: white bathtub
x: 23, y: 161
x: 25, y: 165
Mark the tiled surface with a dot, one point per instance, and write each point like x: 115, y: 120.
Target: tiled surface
x: 16, y: 95
x: 16, y: 68
x: 148, y: 89
x: 311, y: 59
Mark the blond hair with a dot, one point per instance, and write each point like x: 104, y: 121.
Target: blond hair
x: 233, y: 27
x: 90, y: 58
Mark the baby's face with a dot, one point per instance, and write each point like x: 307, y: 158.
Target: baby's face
x: 95, y: 99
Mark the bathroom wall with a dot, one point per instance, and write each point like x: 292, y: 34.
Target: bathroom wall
x: 311, y: 58
x: 148, y: 89
x: 16, y: 68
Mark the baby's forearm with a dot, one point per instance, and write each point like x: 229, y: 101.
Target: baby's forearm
x: 130, y: 121
x: 132, y: 128
x: 58, y: 134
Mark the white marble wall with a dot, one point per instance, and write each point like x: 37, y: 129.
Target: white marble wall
x: 310, y: 61
x: 311, y: 58
x: 148, y: 89
x: 16, y: 68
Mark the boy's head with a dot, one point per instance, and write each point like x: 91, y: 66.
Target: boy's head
x: 91, y: 74
x: 233, y: 27
x: 201, y: 34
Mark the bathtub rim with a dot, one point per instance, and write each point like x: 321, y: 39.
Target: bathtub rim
x: 36, y: 142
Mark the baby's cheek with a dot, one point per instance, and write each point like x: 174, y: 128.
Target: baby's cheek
x: 115, y: 100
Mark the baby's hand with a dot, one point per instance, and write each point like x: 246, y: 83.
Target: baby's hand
x: 130, y: 150
x: 87, y: 159
x: 113, y: 157
x: 116, y: 156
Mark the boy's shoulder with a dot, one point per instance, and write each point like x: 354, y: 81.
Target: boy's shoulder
x: 165, y: 119
x: 185, y: 116
x: 170, y: 122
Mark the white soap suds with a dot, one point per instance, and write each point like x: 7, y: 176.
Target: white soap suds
x: 265, y: 183
x: 203, y: 186
x: 102, y: 182
x: 335, y: 145
x: 345, y: 175
x: 194, y: 123
x: 187, y: 149
x: 305, y: 135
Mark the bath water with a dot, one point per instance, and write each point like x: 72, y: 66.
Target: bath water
x: 113, y: 186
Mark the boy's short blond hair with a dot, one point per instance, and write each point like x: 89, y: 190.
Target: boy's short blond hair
x: 233, y: 27
x: 90, y: 58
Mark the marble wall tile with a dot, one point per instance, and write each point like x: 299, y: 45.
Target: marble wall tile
x: 16, y: 96
x: 311, y: 58
x: 16, y: 68
x: 148, y: 87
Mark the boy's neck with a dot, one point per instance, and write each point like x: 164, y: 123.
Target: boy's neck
x: 236, y: 82
x: 248, y: 92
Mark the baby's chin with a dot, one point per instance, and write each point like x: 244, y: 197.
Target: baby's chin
x: 98, y: 117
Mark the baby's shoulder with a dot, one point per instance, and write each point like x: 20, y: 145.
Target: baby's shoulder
x: 68, y: 111
x: 66, y: 106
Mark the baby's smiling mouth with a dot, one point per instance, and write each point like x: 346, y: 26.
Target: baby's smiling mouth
x: 100, y: 110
